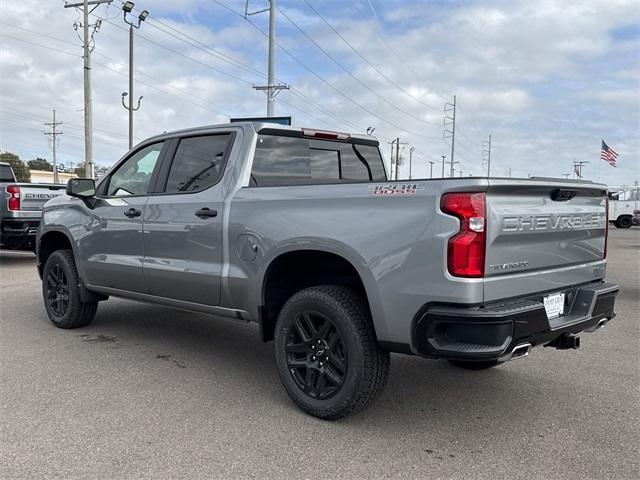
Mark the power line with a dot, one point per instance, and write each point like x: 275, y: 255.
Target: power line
x: 294, y: 91
x: 298, y: 94
x: 40, y: 45
x: 206, y: 48
x: 116, y: 71
x: 211, y: 67
x: 382, y: 74
x: 10, y: 111
x: 312, y: 72
x: 393, y: 51
x: 461, y: 132
x: 461, y: 144
x: 348, y: 72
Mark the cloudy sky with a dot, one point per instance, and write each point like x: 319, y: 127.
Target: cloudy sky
x: 547, y: 79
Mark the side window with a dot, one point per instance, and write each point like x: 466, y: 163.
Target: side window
x: 361, y: 162
x: 198, y: 163
x: 303, y: 161
x: 134, y: 175
x: 324, y: 165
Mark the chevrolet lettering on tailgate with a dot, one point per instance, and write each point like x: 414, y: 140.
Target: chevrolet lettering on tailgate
x: 553, y: 222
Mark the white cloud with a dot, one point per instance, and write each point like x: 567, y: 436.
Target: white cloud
x: 546, y: 79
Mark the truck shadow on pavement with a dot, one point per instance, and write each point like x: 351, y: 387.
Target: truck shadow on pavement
x: 228, y: 360
x: 10, y: 258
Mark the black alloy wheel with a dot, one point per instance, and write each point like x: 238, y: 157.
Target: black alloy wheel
x: 61, y: 292
x: 316, y: 355
x: 326, y: 352
x: 57, y: 290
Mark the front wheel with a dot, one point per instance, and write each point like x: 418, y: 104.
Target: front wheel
x: 327, y: 354
x: 61, y: 292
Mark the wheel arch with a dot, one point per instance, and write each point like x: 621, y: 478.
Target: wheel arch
x: 50, y: 241
x: 292, y: 269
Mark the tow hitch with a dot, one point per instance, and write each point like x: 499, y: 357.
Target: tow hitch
x: 565, y: 342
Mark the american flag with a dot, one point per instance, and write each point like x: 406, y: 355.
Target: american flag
x: 608, y: 154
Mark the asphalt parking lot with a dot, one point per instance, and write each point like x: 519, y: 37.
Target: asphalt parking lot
x: 151, y: 392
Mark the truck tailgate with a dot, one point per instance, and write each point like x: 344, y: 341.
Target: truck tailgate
x: 34, y: 196
x: 542, y: 233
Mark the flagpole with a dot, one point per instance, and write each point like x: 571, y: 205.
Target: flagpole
x: 600, y: 167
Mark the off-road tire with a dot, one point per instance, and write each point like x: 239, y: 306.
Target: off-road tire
x: 77, y: 313
x: 367, y: 364
x: 474, y: 365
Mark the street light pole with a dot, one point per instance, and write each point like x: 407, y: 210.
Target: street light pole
x: 431, y: 169
x: 127, y: 7
x: 410, y: 160
x: 443, y: 157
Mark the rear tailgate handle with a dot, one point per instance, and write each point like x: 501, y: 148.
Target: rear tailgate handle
x: 562, y: 195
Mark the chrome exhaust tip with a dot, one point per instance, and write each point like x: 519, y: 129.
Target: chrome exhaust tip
x: 521, y: 351
x: 601, y: 323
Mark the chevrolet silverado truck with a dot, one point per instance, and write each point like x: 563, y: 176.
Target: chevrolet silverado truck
x: 21, y: 208
x: 302, y: 232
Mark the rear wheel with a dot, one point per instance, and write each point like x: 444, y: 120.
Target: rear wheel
x: 624, y: 221
x: 474, y: 365
x: 327, y: 355
x: 61, y: 292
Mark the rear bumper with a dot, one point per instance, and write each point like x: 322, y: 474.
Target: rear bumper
x: 493, y: 331
x: 19, y: 228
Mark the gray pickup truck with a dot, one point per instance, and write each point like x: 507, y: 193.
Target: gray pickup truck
x: 300, y: 231
x: 21, y: 208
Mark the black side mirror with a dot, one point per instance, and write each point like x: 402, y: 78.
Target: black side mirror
x: 83, y: 188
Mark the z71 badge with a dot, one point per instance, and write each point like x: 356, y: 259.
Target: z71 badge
x: 396, y: 189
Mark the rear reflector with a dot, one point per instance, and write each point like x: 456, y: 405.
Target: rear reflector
x: 14, y: 197
x: 325, y: 134
x: 466, y: 249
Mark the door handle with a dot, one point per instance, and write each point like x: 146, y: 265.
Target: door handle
x: 206, y: 213
x: 132, y: 212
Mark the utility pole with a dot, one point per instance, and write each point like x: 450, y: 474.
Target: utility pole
x: 486, y: 155
x: 394, y: 165
x: 431, y: 169
x: 451, y: 170
x: 271, y: 88
x: 410, y: 160
x: 127, y: 7
x: 397, y: 158
x: 87, y: 49
x: 450, y: 121
x: 52, y: 135
x: 392, y: 169
x: 577, y: 168
x: 443, y: 162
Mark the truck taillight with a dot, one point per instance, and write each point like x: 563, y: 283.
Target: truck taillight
x: 14, y: 197
x: 606, y: 226
x: 466, y: 249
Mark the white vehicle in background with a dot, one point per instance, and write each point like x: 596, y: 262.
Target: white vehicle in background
x: 622, y: 206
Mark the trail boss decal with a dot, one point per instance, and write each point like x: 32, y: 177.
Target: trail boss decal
x: 395, y: 189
